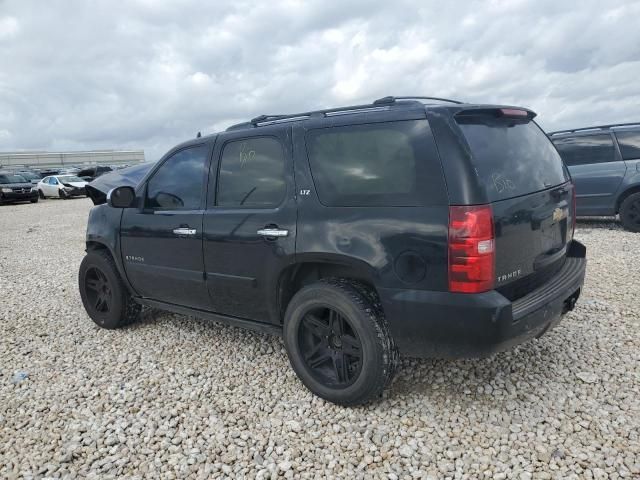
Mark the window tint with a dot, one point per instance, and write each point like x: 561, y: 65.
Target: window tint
x: 369, y: 165
x: 587, y: 149
x: 178, y: 184
x: 9, y: 178
x: 252, y: 173
x: 511, y: 157
x: 629, y: 144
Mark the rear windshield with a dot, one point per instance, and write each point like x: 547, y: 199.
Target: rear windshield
x: 512, y: 157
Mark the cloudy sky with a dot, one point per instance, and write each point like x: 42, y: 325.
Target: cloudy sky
x: 89, y: 74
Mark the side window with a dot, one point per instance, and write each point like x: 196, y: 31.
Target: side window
x: 179, y: 183
x: 252, y: 173
x: 53, y: 181
x: 369, y: 165
x: 586, y: 150
x: 629, y: 144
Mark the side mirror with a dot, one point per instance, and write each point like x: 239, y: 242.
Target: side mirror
x: 121, y: 197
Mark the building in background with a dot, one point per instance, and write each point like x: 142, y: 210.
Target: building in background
x: 57, y: 160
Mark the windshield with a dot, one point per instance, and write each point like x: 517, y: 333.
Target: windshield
x: 70, y: 178
x: 5, y: 178
x: 511, y: 157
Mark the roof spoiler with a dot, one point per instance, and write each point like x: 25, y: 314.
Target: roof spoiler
x: 516, y: 113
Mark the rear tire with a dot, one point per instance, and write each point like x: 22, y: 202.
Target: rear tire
x: 338, y: 342
x: 630, y: 213
x: 104, y: 295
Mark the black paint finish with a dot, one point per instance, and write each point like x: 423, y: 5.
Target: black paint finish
x: 227, y: 271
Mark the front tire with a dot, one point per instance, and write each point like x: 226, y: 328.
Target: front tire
x: 34, y: 200
x: 41, y: 194
x: 630, y: 213
x: 62, y: 194
x: 338, y: 342
x: 104, y: 295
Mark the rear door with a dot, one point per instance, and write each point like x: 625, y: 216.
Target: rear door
x: 250, y: 222
x: 530, y: 195
x: 597, y: 170
x: 161, y: 242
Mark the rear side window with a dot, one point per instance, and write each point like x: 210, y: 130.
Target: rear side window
x: 511, y: 157
x: 179, y: 182
x: 252, y: 173
x: 585, y: 150
x: 629, y: 144
x: 376, y: 164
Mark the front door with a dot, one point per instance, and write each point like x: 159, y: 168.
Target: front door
x: 161, y: 241
x: 52, y: 187
x: 250, y: 222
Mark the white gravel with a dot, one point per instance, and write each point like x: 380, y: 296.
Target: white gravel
x: 176, y: 397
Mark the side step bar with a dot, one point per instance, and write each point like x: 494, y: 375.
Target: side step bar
x: 216, y: 317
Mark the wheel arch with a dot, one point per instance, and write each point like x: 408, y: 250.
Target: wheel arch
x: 309, y: 269
x: 623, y: 196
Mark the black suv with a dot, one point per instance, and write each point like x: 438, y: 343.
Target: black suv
x: 429, y: 229
x: 16, y: 188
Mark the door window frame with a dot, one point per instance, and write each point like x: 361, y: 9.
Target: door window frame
x: 287, y: 156
x: 142, y: 194
x: 616, y: 157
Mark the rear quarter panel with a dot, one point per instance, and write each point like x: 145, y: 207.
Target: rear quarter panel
x: 382, y: 240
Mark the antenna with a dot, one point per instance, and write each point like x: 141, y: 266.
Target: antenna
x: 198, y: 135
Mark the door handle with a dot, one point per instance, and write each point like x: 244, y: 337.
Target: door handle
x: 184, y: 231
x: 273, y: 232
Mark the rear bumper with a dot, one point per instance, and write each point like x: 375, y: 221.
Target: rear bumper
x: 452, y: 325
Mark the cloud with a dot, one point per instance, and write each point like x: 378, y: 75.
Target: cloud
x: 147, y: 74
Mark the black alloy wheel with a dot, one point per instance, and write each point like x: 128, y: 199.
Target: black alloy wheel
x: 104, y: 295
x: 333, y: 351
x: 338, y: 341
x: 99, y: 292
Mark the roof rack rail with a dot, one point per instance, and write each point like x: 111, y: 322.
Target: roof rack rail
x: 390, y: 100
x: 597, y: 127
x: 378, y: 105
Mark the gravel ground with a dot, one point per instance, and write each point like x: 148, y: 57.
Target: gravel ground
x: 178, y: 397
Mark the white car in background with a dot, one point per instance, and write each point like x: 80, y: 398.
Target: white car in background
x: 61, y: 186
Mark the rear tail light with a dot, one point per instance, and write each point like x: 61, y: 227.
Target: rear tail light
x: 471, y: 249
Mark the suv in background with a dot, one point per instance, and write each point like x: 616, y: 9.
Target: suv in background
x: 604, y: 162
x: 91, y: 173
x: 427, y: 229
x: 16, y: 188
